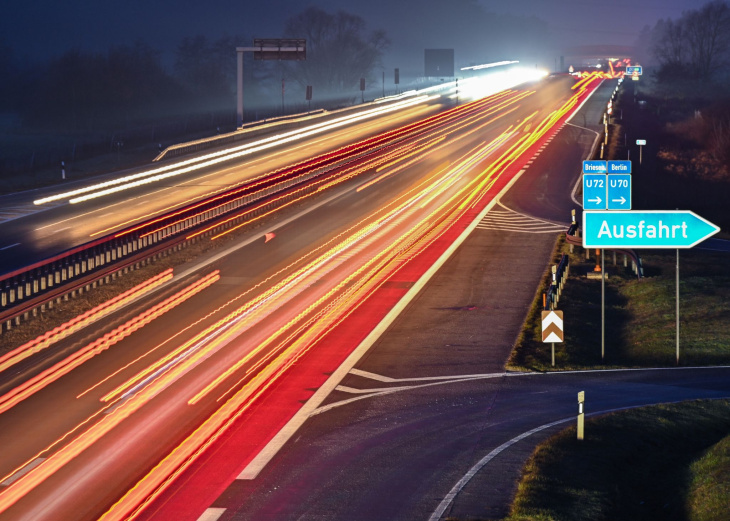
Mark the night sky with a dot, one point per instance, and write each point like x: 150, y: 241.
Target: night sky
x: 43, y: 26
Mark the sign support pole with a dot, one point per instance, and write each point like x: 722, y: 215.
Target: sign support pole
x: 677, y: 305
x: 239, y: 88
x: 603, y: 305
x: 552, y: 345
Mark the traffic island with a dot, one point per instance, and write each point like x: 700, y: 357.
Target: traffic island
x: 669, y: 462
x: 639, y: 314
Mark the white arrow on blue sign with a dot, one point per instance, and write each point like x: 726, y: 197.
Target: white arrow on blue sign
x: 594, y: 191
x: 618, y: 196
x: 645, y: 229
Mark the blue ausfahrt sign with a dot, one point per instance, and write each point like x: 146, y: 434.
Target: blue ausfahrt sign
x: 645, y: 229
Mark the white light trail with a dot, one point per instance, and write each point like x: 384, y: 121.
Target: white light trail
x: 150, y: 176
x: 488, y: 65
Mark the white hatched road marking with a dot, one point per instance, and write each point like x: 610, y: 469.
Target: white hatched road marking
x: 508, y: 220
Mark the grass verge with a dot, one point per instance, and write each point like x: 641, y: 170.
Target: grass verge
x: 640, y: 315
x: 643, y: 464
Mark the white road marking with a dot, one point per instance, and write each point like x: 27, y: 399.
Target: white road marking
x: 22, y: 472
x: 277, y: 442
x: 211, y: 514
x: 387, y: 379
x: 11, y: 246
x: 371, y: 393
x: 590, y: 155
x: 446, y: 502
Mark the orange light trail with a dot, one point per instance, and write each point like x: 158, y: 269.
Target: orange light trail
x: 305, y: 329
x: 50, y: 375
x: 58, y: 333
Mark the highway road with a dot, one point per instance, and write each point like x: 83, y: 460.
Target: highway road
x: 116, y: 410
x: 426, y: 424
x: 31, y: 232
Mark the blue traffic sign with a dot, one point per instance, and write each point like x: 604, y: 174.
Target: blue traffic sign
x: 594, y: 191
x: 594, y: 167
x: 618, y: 196
x: 645, y: 229
x: 636, y: 69
x: 619, y: 167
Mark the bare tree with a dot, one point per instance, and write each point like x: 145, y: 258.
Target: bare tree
x: 340, y: 51
x: 699, y: 41
x: 669, y: 44
x: 707, y: 32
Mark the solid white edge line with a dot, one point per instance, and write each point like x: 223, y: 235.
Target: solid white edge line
x: 277, y: 442
x: 22, y: 472
x: 446, y: 502
x: 211, y: 514
x: 595, y: 143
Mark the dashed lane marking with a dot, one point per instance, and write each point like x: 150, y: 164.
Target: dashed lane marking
x: 211, y: 514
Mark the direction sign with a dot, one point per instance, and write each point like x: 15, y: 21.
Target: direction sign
x: 552, y: 326
x: 619, y: 167
x: 594, y: 191
x: 594, y: 167
x: 635, y: 70
x: 641, y: 142
x: 645, y: 229
x: 618, y: 196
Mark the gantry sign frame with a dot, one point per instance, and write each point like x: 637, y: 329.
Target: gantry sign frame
x: 266, y: 49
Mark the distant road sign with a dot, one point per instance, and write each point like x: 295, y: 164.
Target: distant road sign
x: 645, y: 229
x: 594, y: 191
x: 641, y: 142
x: 552, y: 326
x: 634, y: 70
x: 619, y: 167
x: 594, y: 167
x: 618, y: 196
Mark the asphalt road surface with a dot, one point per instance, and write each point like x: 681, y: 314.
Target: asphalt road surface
x: 429, y: 402
x: 256, y: 310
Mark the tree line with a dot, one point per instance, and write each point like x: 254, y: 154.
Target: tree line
x: 696, y: 45
x: 129, y: 84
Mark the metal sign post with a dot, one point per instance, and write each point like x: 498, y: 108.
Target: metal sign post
x: 641, y: 143
x: 677, y: 304
x: 267, y: 49
x: 603, y: 305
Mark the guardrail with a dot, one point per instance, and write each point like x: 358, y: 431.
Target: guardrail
x: 25, y: 291
x: 247, y: 131
x: 560, y: 274
x: 279, y: 123
x: 572, y: 237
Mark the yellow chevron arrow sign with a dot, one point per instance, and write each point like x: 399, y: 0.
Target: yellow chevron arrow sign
x: 552, y: 326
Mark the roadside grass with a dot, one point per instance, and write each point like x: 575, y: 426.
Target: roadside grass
x: 659, y: 462
x: 640, y: 314
x: 709, y: 491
